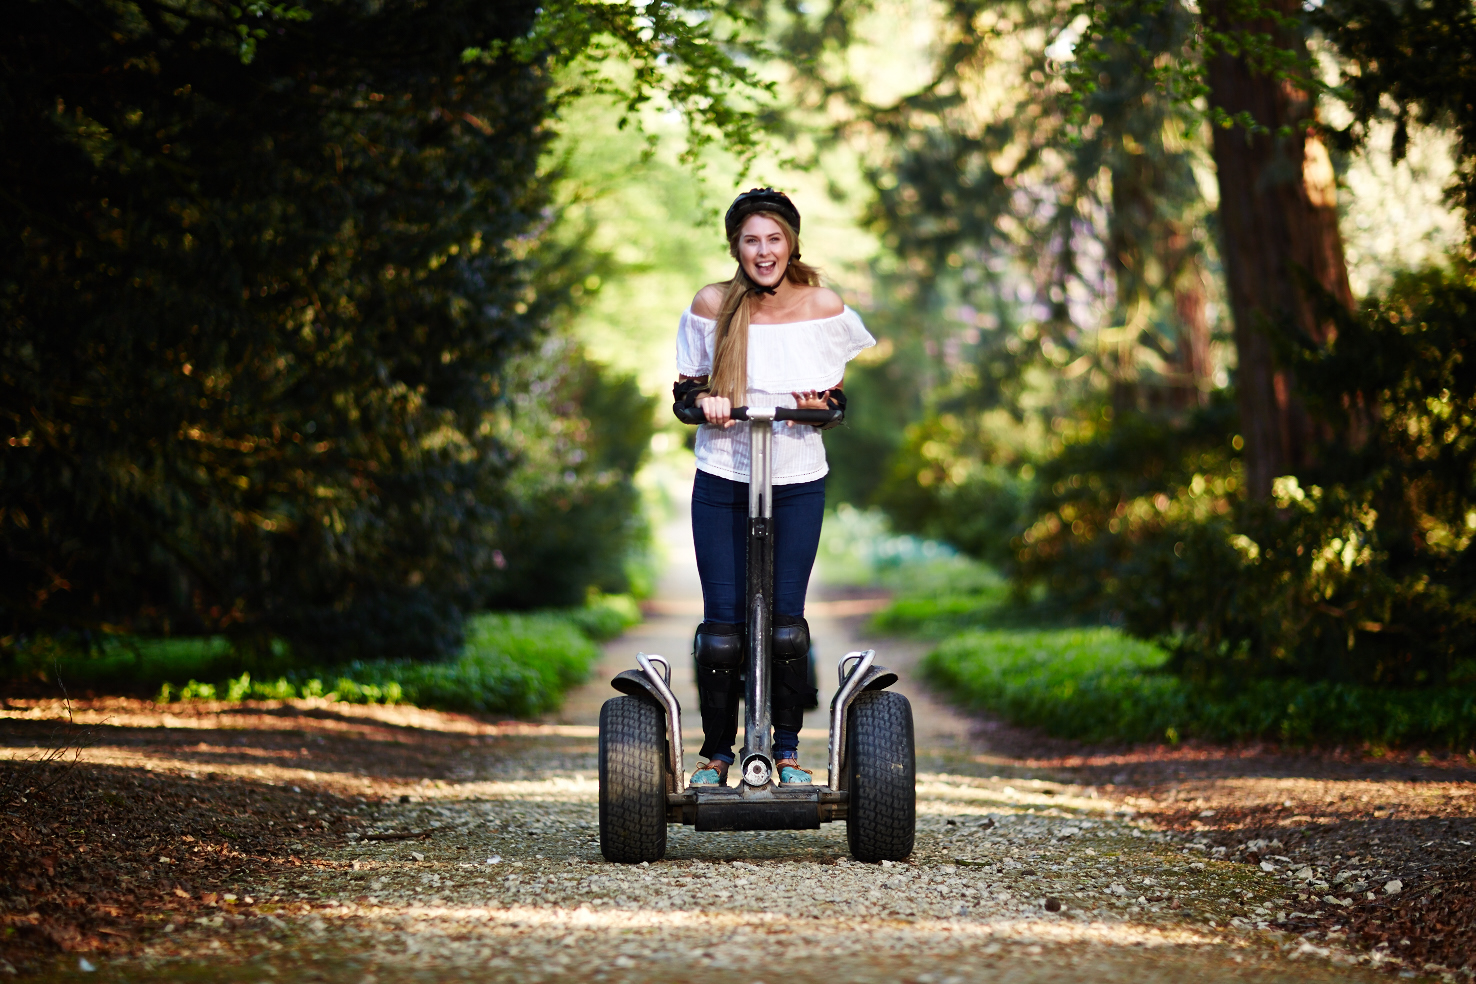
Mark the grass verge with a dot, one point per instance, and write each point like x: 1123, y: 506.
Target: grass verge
x: 518, y: 664
x: 1097, y: 684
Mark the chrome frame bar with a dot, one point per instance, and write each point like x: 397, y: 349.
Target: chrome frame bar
x: 757, y: 763
x: 673, y: 709
x: 761, y: 463
x: 838, y: 704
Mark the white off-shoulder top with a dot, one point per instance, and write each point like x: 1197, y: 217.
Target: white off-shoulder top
x: 800, y: 355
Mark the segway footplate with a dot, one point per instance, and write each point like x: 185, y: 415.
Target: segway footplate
x: 762, y: 808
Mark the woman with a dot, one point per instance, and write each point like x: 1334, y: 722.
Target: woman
x: 771, y: 336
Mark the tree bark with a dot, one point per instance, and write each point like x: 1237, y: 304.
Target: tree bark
x: 1184, y: 268
x: 1278, y: 220
x: 1131, y: 229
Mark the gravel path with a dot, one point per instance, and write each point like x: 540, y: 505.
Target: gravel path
x: 307, y: 841
x: 1015, y: 877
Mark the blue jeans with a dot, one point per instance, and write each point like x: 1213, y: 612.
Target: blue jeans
x: 720, y: 534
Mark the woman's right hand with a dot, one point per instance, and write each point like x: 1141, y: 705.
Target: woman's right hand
x: 718, y: 410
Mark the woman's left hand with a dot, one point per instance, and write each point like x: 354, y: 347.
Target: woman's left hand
x: 809, y: 400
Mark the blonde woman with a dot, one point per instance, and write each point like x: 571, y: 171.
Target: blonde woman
x: 771, y: 336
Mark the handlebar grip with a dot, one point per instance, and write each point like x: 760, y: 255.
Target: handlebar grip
x: 816, y: 417
x: 694, y: 415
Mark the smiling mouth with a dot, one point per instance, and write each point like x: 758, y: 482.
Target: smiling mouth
x: 764, y: 268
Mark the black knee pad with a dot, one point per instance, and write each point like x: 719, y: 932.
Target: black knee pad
x: 717, y: 649
x: 791, y: 639
x: 790, y: 681
x: 718, y: 646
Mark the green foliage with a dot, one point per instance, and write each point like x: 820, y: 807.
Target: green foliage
x: 941, y: 615
x: 1413, y: 56
x: 1039, y: 258
x: 946, y: 596
x: 253, y: 313
x: 1259, y: 32
x: 961, y: 479
x: 517, y: 664
x: 129, y: 664
x: 511, y: 664
x: 859, y: 547
x: 883, y: 398
x: 573, y: 519
x: 1109, y: 511
x: 1097, y: 685
x: 1410, y: 58
x: 1360, y: 572
x: 690, y: 52
x: 606, y: 616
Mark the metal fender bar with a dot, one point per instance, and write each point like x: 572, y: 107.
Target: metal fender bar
x: 673, y: 709
x: 838, y: 704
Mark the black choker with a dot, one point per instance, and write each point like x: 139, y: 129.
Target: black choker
x: 771, y: 291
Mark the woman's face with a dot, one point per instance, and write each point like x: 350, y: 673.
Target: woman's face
x: 763, y: 250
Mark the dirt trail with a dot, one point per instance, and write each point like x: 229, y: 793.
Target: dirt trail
x: 410, y: 845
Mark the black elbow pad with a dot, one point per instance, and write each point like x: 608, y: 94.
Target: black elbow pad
x: 836, y: 400
x: 685, y: 394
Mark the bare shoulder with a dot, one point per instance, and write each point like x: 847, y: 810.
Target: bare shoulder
x: 708, y: 301
x: 822, y: 302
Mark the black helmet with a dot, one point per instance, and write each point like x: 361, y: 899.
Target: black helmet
x: 760, y: 200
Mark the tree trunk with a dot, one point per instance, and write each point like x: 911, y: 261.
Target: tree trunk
x: 1192, y: 354
x: 1278, y: 220
x: 1131, y: 227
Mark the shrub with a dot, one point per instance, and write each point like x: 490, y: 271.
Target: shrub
x: 961, y: 479
x: 511, y: 663
x: 1362, y: 570
x: 1099, y: 685
x: 572, y: 516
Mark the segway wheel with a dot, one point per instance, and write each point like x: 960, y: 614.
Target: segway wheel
x: 632, y: 781
x: 881, y: 771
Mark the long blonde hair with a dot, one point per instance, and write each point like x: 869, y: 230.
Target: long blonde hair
x: 730, y: 345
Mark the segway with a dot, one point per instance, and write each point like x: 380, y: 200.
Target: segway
x: 872, y: 762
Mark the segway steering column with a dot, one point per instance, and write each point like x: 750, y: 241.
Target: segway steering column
x: 757, y: 756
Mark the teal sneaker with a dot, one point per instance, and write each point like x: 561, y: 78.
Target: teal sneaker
x: 790, y: 774
x: 710, y: 774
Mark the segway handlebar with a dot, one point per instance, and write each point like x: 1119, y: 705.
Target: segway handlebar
x: 694, y: 415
